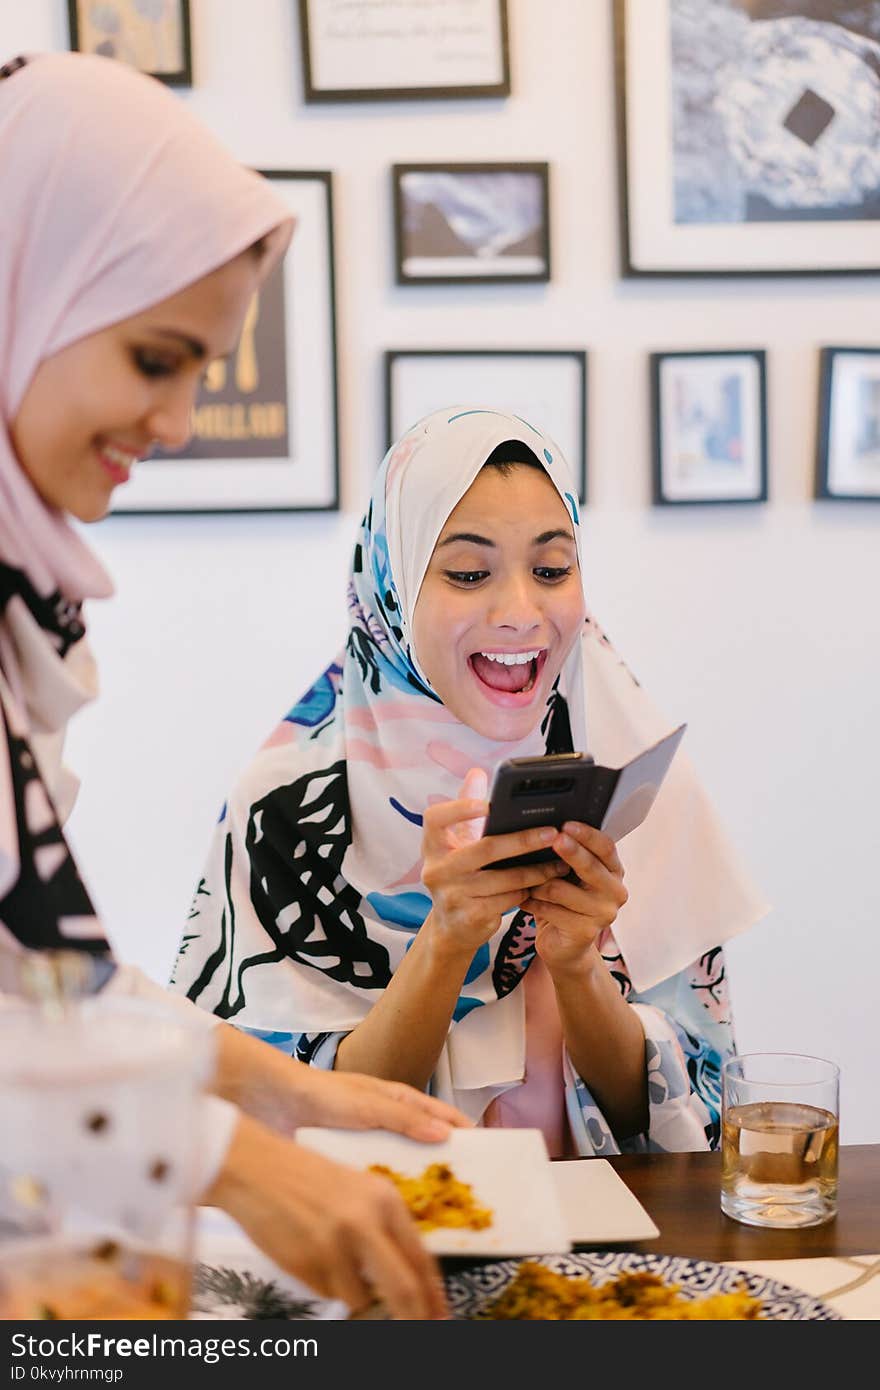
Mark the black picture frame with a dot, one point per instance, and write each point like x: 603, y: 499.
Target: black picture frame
x: 181, y: 76
x: 433, y: 252
x: 685, y: 208
x: 429, y: 390
x: 700, y: 471
x: 846, y: 453
x: 313, y: 91
x: 293, y: 467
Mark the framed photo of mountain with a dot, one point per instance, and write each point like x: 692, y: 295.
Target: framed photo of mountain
x: 471, y: 223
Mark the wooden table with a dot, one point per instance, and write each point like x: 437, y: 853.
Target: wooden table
x: 681, y: 1193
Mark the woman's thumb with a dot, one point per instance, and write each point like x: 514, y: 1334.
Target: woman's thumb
x: 475, y: 787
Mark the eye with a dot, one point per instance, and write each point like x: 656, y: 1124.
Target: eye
x: 467, y: 577
x: 153, y: 364
x: 552, y: 574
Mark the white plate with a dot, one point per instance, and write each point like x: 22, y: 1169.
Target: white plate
x: 508, y: 1169
x: 598, y: 1207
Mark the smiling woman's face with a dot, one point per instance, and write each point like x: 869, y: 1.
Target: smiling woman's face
x: 501, y: 602
x: 97, y: 407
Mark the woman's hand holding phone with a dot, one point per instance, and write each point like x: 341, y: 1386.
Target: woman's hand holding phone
x: 468, y: 896
x: 571, y: 912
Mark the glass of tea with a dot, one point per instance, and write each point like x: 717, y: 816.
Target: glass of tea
x: 779, y: 1127
x: 100, y: 1104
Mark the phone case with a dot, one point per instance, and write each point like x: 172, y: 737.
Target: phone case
x: 570, y: 786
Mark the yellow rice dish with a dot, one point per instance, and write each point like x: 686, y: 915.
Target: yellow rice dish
x: 438, y: 1198
x: 538, y: 1293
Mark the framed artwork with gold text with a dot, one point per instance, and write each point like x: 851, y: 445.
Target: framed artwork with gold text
x: 265, y: 422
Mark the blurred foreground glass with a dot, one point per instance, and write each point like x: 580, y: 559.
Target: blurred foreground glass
x: 779, y: 1125
x: 99, y: 1119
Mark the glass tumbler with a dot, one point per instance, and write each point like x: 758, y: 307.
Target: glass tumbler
x: 99, y: 1120
x: 779, y: 1128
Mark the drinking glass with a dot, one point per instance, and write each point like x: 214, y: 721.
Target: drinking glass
x: 99, y: 1119
x: 779, y: 1124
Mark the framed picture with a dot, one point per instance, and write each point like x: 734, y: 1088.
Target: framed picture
x: 471, y: 223
x: 358, y: 50
x: 848, y: 454
x: 710, y: 426
x: 748, y: 136
x: 264, y: 427
x: 545, y: 387
x: 151, y: 35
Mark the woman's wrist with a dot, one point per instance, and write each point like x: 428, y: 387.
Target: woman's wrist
x: 581, y: 967
x: 233, y: 1184
x: 446, y: 950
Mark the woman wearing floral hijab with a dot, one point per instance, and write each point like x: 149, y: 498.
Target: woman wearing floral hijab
x: 351, y: 914
x: 131, y: 246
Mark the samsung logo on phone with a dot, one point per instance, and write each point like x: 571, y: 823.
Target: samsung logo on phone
x: 538, y: 811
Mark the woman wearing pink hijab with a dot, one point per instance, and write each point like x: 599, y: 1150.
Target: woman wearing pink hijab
x: 131, y: 246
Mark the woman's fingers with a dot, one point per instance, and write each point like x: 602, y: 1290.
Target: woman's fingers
x: 563, y: 918
x: 451, y: 824
x: 494, y: 883
x: 447, y: 813
x: 491, y: 848
x: 403, y: 1109
x: 594, y: 845
x: 346, y: 1233
x: 408, y: 1269
x: 475, y: 787
x: 584, y: 898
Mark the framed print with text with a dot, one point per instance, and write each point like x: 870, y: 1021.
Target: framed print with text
x: 749, y: 135
x: 471, y: 223
x: 710, y: 426
x: 152, y: 37
x: 848, y: 453
x: 545, y: 387
x: 265, y: 422
x: 360, y: 50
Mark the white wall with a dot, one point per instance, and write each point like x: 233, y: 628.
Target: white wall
x: 758, y: 625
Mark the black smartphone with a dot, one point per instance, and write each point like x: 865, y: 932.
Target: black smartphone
x: 548, y: 790
x: 571, y: 786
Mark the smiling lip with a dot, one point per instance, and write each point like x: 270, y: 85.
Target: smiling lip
x: 510, y: 699
x: 117, y: 461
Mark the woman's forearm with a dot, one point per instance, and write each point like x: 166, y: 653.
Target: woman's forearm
x: 403, y: 1034
x: 259, y: 1079
x: 606, y: 1043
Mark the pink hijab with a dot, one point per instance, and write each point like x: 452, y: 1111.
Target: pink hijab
x: 115, y: 197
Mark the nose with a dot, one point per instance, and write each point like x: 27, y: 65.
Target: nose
x: 516, y: 603
x: 170, y: 420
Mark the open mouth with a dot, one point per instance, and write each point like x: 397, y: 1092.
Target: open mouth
x: 508, y: 673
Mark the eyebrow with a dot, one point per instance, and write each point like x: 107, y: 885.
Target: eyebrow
x: 471, y: 538
x: 194, y: 346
